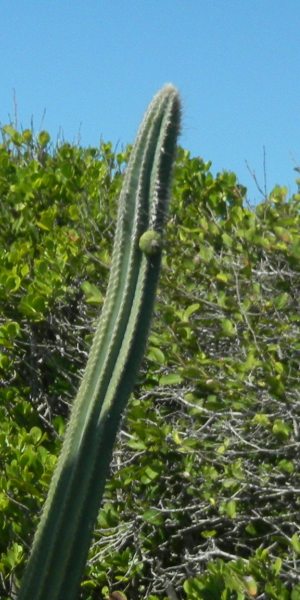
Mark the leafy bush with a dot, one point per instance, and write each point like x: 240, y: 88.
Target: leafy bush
x: 203, y: 497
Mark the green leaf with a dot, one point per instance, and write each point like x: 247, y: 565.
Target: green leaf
x: 92, y: 293
x: 295, y: 543
x: 190, y: 311
x: 295, y: 594
x: 4, y: 362
x: 229, y: 508
x: 12, y: 329
x: 4, y: 501
x: 223, y: 277
x: 281, y: 300
x: 34, y: 306
x: 74, y: 212
x: 10, y: 282
x: 36, y: 434
x: 286, y: 466
x: 193, y: 588
x: 153, y: 516
x: 206, y: 253
x: 43, y: 138
x: 156, y: 355
x: 149, y: 475
x: 276, y: 566
x: 227, y: 239
x: 228, y: 328
x: 14, y: 555
x: 8, y: 332
x: 281, y: 429
x: 170, y: 379
x: 209, y: 533
x: 261, y: 419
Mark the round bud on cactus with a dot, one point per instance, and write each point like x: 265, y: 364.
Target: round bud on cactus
x: 150, y: 242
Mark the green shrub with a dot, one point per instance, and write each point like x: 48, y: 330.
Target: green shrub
x: 205, y: 476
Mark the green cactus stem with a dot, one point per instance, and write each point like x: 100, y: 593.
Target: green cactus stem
x: 63, y: 536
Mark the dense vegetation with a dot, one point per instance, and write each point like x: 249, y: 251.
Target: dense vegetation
x: 203, y: 498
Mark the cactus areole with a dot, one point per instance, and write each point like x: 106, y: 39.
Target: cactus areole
x: 61, y: 543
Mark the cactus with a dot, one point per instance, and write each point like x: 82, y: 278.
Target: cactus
x: 62, y: 540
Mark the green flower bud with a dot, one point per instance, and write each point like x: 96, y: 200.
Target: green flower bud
x: 150, y: 242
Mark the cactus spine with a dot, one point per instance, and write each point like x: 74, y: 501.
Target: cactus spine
x: 63, y: 536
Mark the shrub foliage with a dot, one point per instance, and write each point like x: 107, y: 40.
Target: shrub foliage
x: 203, y: 498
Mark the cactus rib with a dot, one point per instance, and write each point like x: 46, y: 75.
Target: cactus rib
x: 63, y: 536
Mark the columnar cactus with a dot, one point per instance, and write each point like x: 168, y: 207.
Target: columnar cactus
x: 63, y: 536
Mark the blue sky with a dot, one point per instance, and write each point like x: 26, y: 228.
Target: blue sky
x: 86, y: 69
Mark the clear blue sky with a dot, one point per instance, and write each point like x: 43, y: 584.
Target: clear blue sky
x: 93, y: 65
